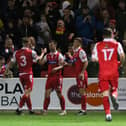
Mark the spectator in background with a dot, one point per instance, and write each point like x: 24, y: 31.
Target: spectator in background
x: 8, y: 49
x: 107, y: 4
x: 68, y: 18
x: 12, y: 32
x: 28, y: 12
x: 35, y: 9
x: 44, y: 32
x: 61, y: 36
x: 3, y: 7
x: 112, y: 25
x: 2, y: 66
x: 26, y: 3
x: 52, y: 15
x: 3, y: 72
x: 66, y: 6
x: 106, y: 17
x: 121, y: 18
x: 99, y: 24
x: 78, y: 4
x: 85, y: 24
x: 27, y: 29
x: 2, y: 34
x: 93, y: 4
x: 11, y: 12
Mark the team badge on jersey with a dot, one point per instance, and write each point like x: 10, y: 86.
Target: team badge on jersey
x: 106, y: 46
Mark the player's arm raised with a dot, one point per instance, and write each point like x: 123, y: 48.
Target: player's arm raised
x: 43, y: 60
x: 39, y: 58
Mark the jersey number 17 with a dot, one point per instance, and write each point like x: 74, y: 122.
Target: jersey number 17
x: 108, y: 54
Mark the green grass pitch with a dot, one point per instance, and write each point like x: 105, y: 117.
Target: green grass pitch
x: 53, y: 119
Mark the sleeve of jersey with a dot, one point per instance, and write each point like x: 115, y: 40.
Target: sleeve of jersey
x: 34, y: 56
x: 61, y: 58
x: 94, y: 53
x: 13, y: 59
x: 83, y: 56
x: 45, y: 58
x: 120, y: 49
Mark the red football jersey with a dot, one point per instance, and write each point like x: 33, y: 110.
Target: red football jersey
x: 79, y: 58
x: 25, y: 57
x: 106, y: 52
x: 53, y: 60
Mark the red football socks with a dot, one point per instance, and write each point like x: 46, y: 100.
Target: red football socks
x: 46, y: 103
x: 28, y: 102
x: 22, y: 101
x: 83, y: 102
x: 62, y: 103
x: 106, y: 105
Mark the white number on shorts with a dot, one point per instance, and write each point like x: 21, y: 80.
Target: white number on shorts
x: 108, y: 53
x: 23, y: 61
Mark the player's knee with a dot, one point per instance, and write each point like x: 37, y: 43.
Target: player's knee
x: 105, y: 93
x: 27, y: 92
x: 82, y: 91
x: 59, y: 94
x: 47, y: 94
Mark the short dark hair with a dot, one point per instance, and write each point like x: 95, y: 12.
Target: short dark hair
x: 107, y: 33
x: 24, y: 40
x: 79, y: 39
x: 85, y: 7
x: 54, y: 41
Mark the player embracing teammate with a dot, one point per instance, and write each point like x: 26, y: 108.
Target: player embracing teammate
x: 55, y: 63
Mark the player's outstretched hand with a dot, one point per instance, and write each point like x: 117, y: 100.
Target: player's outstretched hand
x: 54, y: 70
x: 65, y: 64
x: 44, y: 50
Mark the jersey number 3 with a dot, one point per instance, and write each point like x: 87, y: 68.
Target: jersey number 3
x: 23, y: 61
x: 108, y: 54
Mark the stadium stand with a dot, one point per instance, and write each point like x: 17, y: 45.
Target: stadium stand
x: 60, y: 20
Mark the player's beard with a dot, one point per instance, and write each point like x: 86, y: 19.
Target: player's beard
x: 52, y: 50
